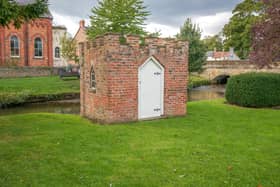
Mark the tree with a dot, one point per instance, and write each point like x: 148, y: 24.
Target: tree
x: 69, y: 49
x: 13, y: 12
x: 238, y: 31
x: 118, y: 16
x: 266, y: 36
x: 213, y: 42
x: 197, y: 50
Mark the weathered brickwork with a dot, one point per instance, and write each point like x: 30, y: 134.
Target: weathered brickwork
x: 26, y: 34
x: 116, y: 68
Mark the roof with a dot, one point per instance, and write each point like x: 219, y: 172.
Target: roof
x: 27, y: 2
x: 61, y: 27
x: 220, y: 54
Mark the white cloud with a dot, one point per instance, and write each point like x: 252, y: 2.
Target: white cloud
x: 212, y: 24
x: 165, y: 30
x: 71, y: 22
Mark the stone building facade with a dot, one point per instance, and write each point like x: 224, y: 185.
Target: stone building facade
x: 58, y: 33
x: 30, y: 45
x: 112, y: 78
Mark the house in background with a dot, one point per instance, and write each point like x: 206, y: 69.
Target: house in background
x: 30, y: 45
x: 222, y: 55
x: 58, y: 33
x: 81, y: 35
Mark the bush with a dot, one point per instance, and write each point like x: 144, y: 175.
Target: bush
x: 196, y: 81
x: 254, y: 90
x: 13, y: 98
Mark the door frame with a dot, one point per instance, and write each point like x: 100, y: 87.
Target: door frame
x: 156, y: 62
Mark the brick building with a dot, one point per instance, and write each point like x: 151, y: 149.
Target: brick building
x: 30, y: 45
x: 130, y: 82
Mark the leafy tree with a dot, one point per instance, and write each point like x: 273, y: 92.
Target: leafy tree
x: 197, y: 50
x: 69, y: 49
x: 266, y: 35
x: 238, y: 31
x: 118, y: 16
x: 213, y: 42
x: 15, y: 13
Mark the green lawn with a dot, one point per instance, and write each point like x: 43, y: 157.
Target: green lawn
x: 40, y: 85
x: 215, y: 145
x: 18, y: 90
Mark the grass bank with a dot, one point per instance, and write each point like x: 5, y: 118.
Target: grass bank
x: 196, y: 81
x: 215, y: 145
x: 21, y: 90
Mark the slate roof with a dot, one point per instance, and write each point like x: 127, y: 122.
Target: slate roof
x: 26, y: 2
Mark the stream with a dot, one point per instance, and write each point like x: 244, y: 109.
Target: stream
x: 73, y: 106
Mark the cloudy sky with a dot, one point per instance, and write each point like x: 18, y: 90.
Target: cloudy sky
x: 166, y: 15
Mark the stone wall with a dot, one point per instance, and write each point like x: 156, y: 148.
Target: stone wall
x: 13, y: 72
x: 116, y: 68
x: 213, y: 69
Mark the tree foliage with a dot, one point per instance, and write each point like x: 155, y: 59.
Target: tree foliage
x: 12, y: 12
x: 213, y: 42
x: 266, y: 35
x: 197, y: 50
x: 69, y: 49
x: 118, y: 16
x: 238, y: 31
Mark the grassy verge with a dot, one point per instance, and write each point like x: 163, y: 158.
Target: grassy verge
x: 21, y: 90
x: 215, y: 145
x: 196, y: 81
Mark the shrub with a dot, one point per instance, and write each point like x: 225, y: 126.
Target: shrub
x: 196, y: 81
x: 13, y: 98
x: 254, y: 90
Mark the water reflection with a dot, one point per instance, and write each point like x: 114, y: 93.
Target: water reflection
x: 65, y: 107
x: 73, y: 107
x: 207, y: 92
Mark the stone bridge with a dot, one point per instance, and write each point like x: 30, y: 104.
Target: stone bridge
x: 214, y: 69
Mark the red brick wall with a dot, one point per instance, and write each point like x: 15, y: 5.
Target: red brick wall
x: 26, y: 34
x: 116, y: 67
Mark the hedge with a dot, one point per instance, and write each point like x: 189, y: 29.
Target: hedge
x: 254, y: 90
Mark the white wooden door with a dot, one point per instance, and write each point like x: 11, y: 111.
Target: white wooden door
x: 151, y: 89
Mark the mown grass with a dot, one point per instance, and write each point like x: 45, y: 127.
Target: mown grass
x: 20, y: 90
x: 215, y: 145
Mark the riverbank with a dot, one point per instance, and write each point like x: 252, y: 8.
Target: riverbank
x: 215, y: 145
x: 197, y: 81
x: 17, y: 91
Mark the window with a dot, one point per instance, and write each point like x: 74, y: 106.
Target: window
x: 14, y: 46
x: 57, y: 52
x: 38, y: 48
x: 92, y: 79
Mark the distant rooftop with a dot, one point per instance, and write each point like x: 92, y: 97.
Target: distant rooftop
x: 26, y: 2
x: 62, y: 27
x: 222, y: 55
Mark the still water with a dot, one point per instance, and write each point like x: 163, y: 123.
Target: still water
x: 73, y: 106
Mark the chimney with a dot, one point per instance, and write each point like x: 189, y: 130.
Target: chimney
x: 82, y: 23
x: 215, y: 49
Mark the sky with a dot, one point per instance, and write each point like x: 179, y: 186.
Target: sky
x: 167, y: 16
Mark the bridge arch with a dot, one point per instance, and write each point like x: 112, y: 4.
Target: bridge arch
x: 221, y: 79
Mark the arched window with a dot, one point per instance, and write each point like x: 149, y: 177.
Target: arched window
x: 14, y: 44
x: 57, y: 52
x: 92, y: 79
x: 38, y: 47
